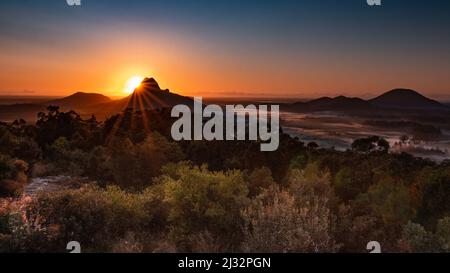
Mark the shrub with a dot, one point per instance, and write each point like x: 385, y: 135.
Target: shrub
x: 391, y: 201
x: 12, y: 176
x: 274, y: 223
x: 293, y: 220
x: 416, y: 239
x: 443, y: 234
x: 259, y: 179
x: 348, y: 183
x: 98, y: 217
x: 203, y: 201
x: 354, y: 231
x: 21, y: 230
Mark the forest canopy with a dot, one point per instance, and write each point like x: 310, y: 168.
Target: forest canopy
x: 134, y: 189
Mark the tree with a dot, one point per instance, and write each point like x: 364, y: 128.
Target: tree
x: 133, y: 166
x: 434, y: 187
x: 55, y: 124
x: 312, y: 145
x: 404, y: 139
x: 67, y: 158
x: 371, y: 144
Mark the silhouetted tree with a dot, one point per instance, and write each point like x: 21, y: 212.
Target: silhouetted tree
x: 371, y: 144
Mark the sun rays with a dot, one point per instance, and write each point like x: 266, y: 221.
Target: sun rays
x: 140, y: 100
x: 132, y: 83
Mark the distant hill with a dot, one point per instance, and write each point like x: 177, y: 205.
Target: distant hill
x: 406, y: 99
x: 340, y: 103
x: 79, y: 100
x: 398, y: 101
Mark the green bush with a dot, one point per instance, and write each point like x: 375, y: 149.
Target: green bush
x: 416, y: 239
x: 67, y: 158
x: 98, y: 217
x: 293, y: 220
x: 203, y: 201
x: 133, y: 166
x: 258, y: 180
x: 391, y: 201
x: 13, y: 176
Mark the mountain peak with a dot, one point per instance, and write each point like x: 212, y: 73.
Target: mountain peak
x: 148, y: 95
x: 405, y: 99
x: 403, y: 92
x: 149, y: 84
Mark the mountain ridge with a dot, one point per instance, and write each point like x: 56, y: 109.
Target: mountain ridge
x: 149, y: 96
x: 393, y: 100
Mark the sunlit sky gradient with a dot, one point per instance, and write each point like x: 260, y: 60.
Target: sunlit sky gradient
x: 239, y: 48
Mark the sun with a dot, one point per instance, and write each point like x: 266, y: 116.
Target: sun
x: 132, y: 84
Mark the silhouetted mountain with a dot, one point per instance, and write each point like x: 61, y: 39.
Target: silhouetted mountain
x: 340, y: 103
x: 79, y: 100
x: 150, y: 84
x: 406, y: 99
x: 148, y: 96
x: 392, y: 102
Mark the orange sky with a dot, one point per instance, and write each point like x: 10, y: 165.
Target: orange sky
x: 190, y: 68
x: 262, y: 50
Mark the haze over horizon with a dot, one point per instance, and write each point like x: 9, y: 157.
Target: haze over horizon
x: 236, y: 48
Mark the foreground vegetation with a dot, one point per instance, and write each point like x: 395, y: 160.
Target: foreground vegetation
x: 150, y: 194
